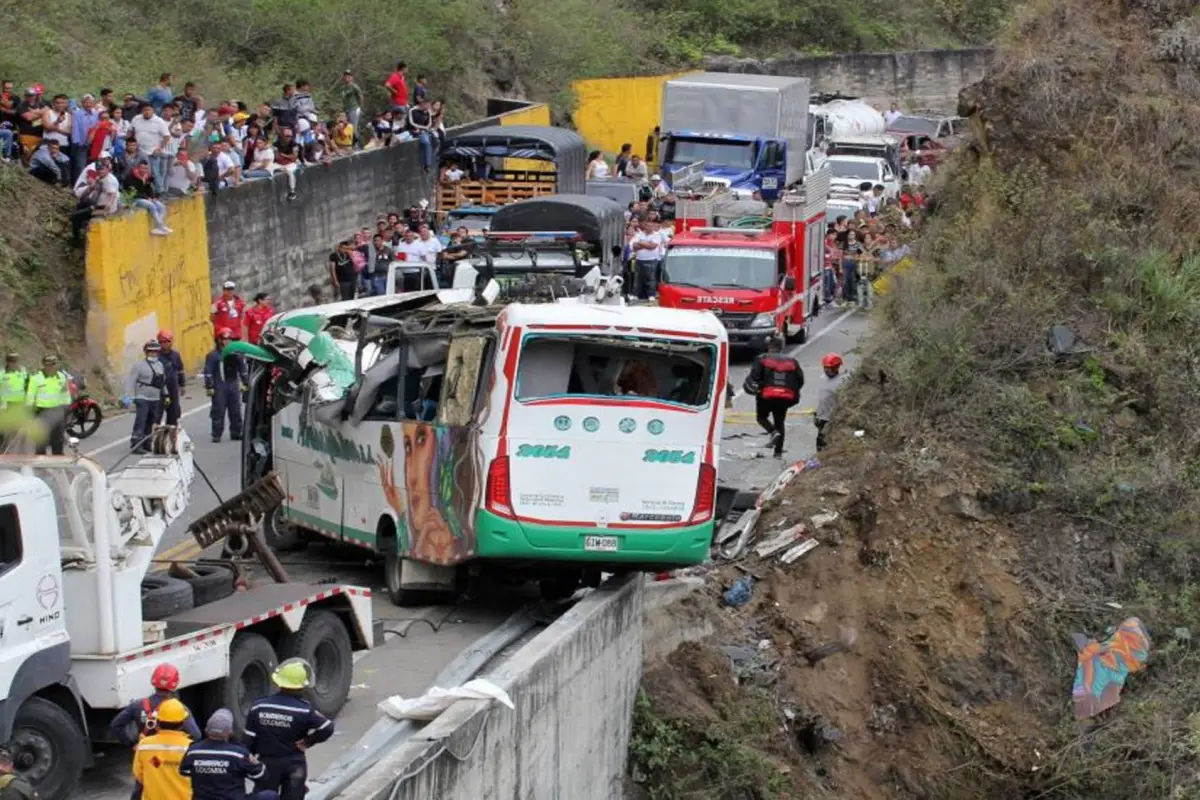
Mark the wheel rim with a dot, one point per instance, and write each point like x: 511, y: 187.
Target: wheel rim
x: 33, y: 754
x: 254, y: 683
x: 328, y: 666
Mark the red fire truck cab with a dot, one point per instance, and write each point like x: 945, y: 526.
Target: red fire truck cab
x: 759, y: 280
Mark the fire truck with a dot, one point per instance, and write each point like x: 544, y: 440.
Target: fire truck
x: 761, y: 275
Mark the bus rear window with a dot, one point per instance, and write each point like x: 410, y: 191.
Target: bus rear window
x: 559, y: 366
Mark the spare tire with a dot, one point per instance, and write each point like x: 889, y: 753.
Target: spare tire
x: 214, y: 582
x: 163, y: 596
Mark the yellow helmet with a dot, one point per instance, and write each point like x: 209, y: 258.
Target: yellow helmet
x: 171, y: 711
x: 295, y: 673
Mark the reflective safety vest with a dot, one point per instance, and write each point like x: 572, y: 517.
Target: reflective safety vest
x: 49, y: 391
x: 12, y: 385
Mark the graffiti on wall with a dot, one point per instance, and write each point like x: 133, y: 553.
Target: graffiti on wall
x: 430, y: 479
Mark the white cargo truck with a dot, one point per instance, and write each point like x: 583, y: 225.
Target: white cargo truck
x: 83, y: 624
x: 751, y: 131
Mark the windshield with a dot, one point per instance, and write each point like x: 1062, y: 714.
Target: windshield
x: 920, y: 125
x: 713, y: 267
x: 713, y: 152
x: 856, y: 170
x: 674, y: 372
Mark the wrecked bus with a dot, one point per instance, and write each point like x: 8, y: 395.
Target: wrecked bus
x: 457, y: 440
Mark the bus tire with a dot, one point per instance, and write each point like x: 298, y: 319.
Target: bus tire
x: 251, y: 662
x: 49, y: 748
x: 213, y: 582
x: 325, y: 644
x: 281, y: 535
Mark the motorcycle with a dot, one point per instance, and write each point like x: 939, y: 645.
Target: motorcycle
x: 84, y: 415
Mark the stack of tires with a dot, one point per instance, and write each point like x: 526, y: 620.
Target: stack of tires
x: 164, y: 596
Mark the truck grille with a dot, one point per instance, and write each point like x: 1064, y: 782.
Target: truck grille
x: 736, y: 321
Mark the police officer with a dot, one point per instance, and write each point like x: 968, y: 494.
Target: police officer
x: 176, y: 377
x: 165, y: 681
x: 49, y: 395
x: 225, y: 376
x: 145, y: 388
x: 775, y: 381
x: 280, y: 727
x: 14, y: 380
x: 218, y: 767
x: 12, y: 785
x: 832, y: 365
x: 157, y: 757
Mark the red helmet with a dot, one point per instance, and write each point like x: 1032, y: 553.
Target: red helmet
x: 831, y: 361
x: 223, y: 333
x: 165, y: 336
x: 165, y: 677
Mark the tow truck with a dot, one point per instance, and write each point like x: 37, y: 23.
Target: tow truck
x: 83, y: 623
x: 760, y: 276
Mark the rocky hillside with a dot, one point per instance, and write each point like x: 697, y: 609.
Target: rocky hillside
x: 1028, y: 479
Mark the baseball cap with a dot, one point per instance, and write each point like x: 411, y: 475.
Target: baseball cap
x: 230, y: 285
x: 656, y: 177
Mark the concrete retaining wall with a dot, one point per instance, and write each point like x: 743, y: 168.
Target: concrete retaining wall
x: 574, y: 687
x: 921, y: 79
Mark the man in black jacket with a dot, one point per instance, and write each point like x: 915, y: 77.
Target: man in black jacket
x: 775, y: 381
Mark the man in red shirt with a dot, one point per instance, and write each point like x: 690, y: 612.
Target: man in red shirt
x: 397, y: 87
x: 228, y: 311
x: 257, y: 316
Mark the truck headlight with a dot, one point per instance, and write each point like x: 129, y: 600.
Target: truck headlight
x: 764, y: 320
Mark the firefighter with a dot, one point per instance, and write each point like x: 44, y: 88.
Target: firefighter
x: 218, y: 767
x: 282, y: 726
x: 176, y: 378
x: 49, y: 394
x: 12, y: 785
x: 165, y: 681
x: 775, y: 381
x: 225, y: 378
x: 832, y: 364
x: 157, y: 757
x: 228, y: 312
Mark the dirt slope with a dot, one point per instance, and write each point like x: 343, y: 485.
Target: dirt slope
x: 41, y: 274
x: 1005, y: 494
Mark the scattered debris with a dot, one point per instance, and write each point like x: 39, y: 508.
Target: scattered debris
x: 821, y: 520
x: 796, y: 552
x: 1063, y: 342
x: 739, y: 593
x: 846, y: 639
x: 1103, y: 668
x: 965, y: 506
x: 743, y: 530
x: 779, y: 541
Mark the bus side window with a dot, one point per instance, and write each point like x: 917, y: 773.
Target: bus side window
x: 386, y: 407
x: 464, y: 368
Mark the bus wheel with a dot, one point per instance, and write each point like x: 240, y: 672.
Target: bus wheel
x: 796, y: 334
x: 280, y: 534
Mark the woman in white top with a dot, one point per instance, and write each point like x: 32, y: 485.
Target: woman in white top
x: 597, y: 167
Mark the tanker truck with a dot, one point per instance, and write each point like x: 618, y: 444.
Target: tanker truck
x: 843, y: 116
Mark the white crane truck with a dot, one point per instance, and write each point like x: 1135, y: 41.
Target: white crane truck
x: 83, y: 624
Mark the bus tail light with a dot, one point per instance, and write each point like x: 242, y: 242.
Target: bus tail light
x: 499, y: 488
x: 706, y: 495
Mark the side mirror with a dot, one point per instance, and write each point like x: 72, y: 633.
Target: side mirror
x: 789, y: 284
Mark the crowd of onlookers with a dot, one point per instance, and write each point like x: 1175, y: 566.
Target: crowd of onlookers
x: 138, y: 151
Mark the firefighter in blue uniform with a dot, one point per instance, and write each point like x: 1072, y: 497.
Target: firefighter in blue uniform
x: 282, y: 726
x: 165, y: 681
x: 225, y: 376
x: 218, y: 767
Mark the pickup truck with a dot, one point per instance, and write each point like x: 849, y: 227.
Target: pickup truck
x: 850, y: 172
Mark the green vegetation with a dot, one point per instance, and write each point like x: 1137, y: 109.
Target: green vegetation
x: 470, y: 48
x: 673, y: 758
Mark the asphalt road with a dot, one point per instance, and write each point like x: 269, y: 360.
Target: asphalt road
x: 406, y: 664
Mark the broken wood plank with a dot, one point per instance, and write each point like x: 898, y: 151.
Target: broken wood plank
x: 779, y: 541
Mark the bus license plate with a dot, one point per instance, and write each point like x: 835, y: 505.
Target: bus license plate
x: 601, y: 544
x: 770, y: 183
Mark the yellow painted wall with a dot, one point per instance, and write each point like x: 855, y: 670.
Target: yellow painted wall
x: 613, y: 111
x: 538, y: 114
x: 138, y: 283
